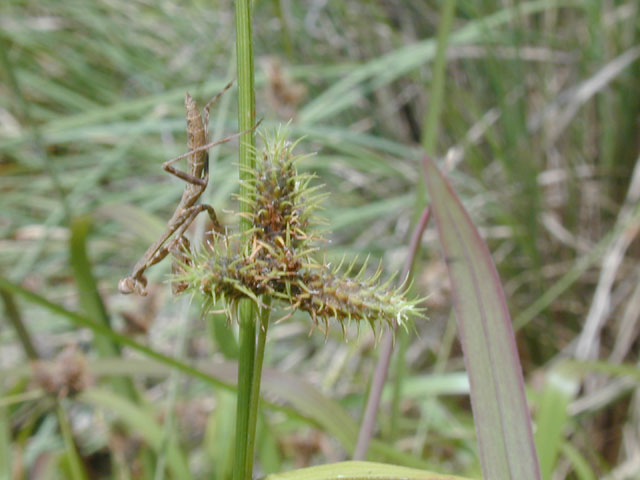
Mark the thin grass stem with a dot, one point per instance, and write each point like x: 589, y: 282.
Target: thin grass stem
x: 246, y: 309
x: 382, y: 367
x: 255, y: 388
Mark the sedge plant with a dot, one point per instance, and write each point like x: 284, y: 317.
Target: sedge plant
x: 270, y: 258
x: 276, y: 261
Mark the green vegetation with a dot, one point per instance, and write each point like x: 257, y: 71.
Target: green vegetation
x: 531, y: 109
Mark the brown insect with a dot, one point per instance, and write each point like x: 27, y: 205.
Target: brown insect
x: 197, y: 177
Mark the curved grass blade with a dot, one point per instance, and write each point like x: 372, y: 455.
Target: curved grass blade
x: 73, y: 460
x: 307, y: 402
x: 141, y: 422
x: 503, y: 425
x: 359, y: 471
x: 383, y: 70
x: 581, y: 467
x: 561, y: 387
x: 85, y: 322
x: 91, y: 301
x: 5, y: 442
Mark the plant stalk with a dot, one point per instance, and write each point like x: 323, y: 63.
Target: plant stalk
x: 246, y: 362
x: 382, y: 367
x: 15, y: 318
x: 436, y: 96
x: 431, y: 121
x: 255, y: 387
x: 245, y: 431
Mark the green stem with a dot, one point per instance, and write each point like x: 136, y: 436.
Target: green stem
x: 429, y: 140
x: 255, y: 388
x: 246, y: 98
x: 284, y: 29
x: 431, y: 124
x: 15, y: 318
x: 400, y: 372
x: 76, y: 470
x: 431, y: 121
x: 246, y: 363
x: 243, y: 461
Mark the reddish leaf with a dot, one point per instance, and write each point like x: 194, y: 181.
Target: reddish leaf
x: 503, y: 425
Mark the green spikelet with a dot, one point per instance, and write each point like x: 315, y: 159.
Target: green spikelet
x: 277, y: 258
x: 329, y: 294
x: 280, y: 208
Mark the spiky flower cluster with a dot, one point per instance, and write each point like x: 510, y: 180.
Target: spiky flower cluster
x: 275, y: 257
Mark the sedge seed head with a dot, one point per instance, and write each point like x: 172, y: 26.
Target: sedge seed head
x: 277, y: 258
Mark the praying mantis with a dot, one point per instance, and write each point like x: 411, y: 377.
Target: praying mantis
x: 197, y: 177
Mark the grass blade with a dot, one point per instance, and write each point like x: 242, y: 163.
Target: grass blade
x: 219, y: 436
x: 580, y: 465
x: 5, y: 443
x: 73, y: 461
x: 359, y: 471
x: 91, y: 301
x: 383, y: 70
x: 503, y: 426
x: 142, y: 423
x: 15, y: 319
x: 84, y: 322
x: 304, y: 398
x: 560, y: 389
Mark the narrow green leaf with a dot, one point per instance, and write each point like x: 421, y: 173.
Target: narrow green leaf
x: 305, y: 399
x: 219, y: 436
x: 140, y: 422
x: 359, y: 471
x: 87, y: 289
x: 91, y: 301
x: 14, y: 317
x: 503, y: 425
x: 223, y: 336
x: 84, y: 322
x: 74, y: 463
x: 5, y: 444
x: 580, y: 464
x: 431, y: 385
x: 268, y: 448
x: 385, y: 69
x: 432, y: 117
x: 608, y: 368
x: 552, y: 416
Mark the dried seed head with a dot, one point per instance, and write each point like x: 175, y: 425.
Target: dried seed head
x: 67, y: 375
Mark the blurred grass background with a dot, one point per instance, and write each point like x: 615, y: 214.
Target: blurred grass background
x: 539, y: 131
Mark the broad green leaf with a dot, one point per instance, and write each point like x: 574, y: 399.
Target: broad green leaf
x: 359, y: 471
x: 503, y: 425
